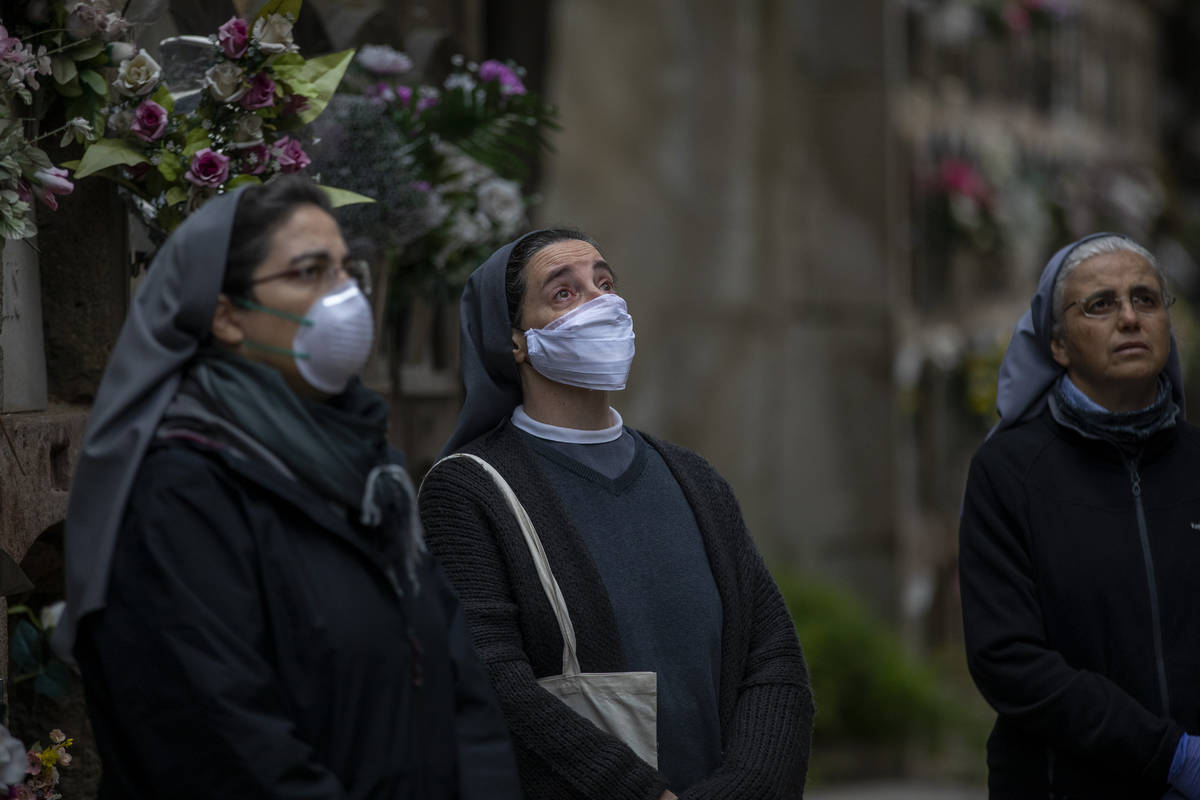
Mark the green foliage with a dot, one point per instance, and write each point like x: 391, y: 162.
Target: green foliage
x: 867, y: 688
x: 32, y: 657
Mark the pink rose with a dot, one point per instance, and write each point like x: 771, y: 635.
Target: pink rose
x: 493, y: 70
x: 253, y: 160
x: 50, y: 182
x: 291, y: 155
x: 208, y: 168
x: 234, y: 37
x: 295, y: 104
x: 149, y: 121
x: 261, y: 94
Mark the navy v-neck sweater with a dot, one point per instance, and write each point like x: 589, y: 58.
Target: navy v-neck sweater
x: 642, y: 535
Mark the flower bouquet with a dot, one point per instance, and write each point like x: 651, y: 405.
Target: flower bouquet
x: 32, y: 774
x: 56, y: 49
x: 465, y: 148
x: 173, y: 152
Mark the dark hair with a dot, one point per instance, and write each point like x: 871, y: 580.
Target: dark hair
x: 261, y: 210
x: 514, y: 271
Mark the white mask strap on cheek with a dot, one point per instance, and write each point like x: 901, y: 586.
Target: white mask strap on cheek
x: 591, y: 346
x: 337, y: 344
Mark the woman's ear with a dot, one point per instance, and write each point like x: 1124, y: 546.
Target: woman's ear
x: 225, y: 326
x: 520, y: 353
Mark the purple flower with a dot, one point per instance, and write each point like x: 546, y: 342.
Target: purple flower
x: 24, y: 191
x: 291, y: 155
x: 404, y: 96
x: 49, y: 182
x: 427, y: 98
x: 493, y: 70
x: 381, y: 93
x: 261, y: 94
x: 253, y: 160
x: 234, y: 37
x: 208, y: 168
x: 422, y: 186
x: 149, y: 121
x: 294, y: 105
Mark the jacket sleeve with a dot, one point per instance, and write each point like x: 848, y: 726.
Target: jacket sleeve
x: 1014, y: 666
x: 766, y: 744
x: 559, y: 753
x: 487, y: 769
x: 181, y: 652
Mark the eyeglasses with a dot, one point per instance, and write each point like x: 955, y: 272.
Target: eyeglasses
x: 324, y: 273
x: 1102, y: 305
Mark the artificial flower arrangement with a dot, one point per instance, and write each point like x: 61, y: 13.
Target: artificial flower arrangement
x: 256, y: 97
x: 52, y: 52
x: 32, y: 774
x: 465, y: 148
x: 960, y: 201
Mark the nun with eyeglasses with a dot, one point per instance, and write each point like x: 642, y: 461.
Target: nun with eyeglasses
x: 248, y: 597
x: 1080, y: 542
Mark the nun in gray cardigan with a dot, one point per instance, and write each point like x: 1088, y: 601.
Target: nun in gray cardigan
x: 645, y: 539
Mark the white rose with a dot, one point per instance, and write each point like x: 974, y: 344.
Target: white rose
x: 274, y: 34
x: 248, y: 132
x: 119, y: 122
x: 501, y: 200
x: 12, y: 758
x: 138, y: 76
x: 462, y: 171
x: 224, y: 82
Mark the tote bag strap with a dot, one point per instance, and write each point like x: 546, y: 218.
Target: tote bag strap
x: 540, y: 561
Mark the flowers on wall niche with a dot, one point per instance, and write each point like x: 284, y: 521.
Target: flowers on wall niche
x: 255, y: 98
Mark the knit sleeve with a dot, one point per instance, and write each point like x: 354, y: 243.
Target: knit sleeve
x: 766, y: 742
x: 1014, y: 666
x: 559, y: 753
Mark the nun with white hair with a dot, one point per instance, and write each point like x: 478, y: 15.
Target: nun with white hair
x: 1080, y: 540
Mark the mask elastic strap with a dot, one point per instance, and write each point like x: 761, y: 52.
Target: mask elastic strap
x: 267, y: 348
x: 247, y: 303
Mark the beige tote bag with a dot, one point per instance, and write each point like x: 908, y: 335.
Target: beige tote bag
x: 624, y: 704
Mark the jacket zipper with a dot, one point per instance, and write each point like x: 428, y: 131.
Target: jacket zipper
x: 1156, y: 623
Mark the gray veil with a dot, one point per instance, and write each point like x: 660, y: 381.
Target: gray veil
x: 489, y: 374
x: 171, y: 313
x: 1029, y: 371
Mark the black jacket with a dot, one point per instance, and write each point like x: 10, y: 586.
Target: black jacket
x: 255, y: 645
x: 765, y: 701
x: 1079, y: 570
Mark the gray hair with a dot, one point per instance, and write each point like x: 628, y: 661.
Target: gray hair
x: 1089, y: 249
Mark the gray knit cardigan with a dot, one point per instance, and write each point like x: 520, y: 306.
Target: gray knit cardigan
x: 766, y: 706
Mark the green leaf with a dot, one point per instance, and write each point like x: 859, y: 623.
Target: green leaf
x: 176, y: 195
x: 86, y: 48
x: 63, y: 69
x: 319, y: 77
x: 344, y: 197
x: 197, y: 140
x: 71, y: 88
x: 162, y: 96
x: 108, y: 153
x: 54, y: 682
x: 285, y: 7
x: 241, y: 180
x: 25, y: 649
x: 170, y: 166
x: 94, y: 81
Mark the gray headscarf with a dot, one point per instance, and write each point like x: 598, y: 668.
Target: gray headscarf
x: 172, y: 312
x: 1028, y: 372
x: 489, y: 373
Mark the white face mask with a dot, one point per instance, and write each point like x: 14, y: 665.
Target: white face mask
x: 336, y: 345
x: 591, y: 346
x: 333, y: 341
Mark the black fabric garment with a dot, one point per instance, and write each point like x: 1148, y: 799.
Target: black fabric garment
x: 765, y: 701
x: 1057, y: 610
x: 610, y: 459
x: 642, y: 536
x: 254, y: 645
